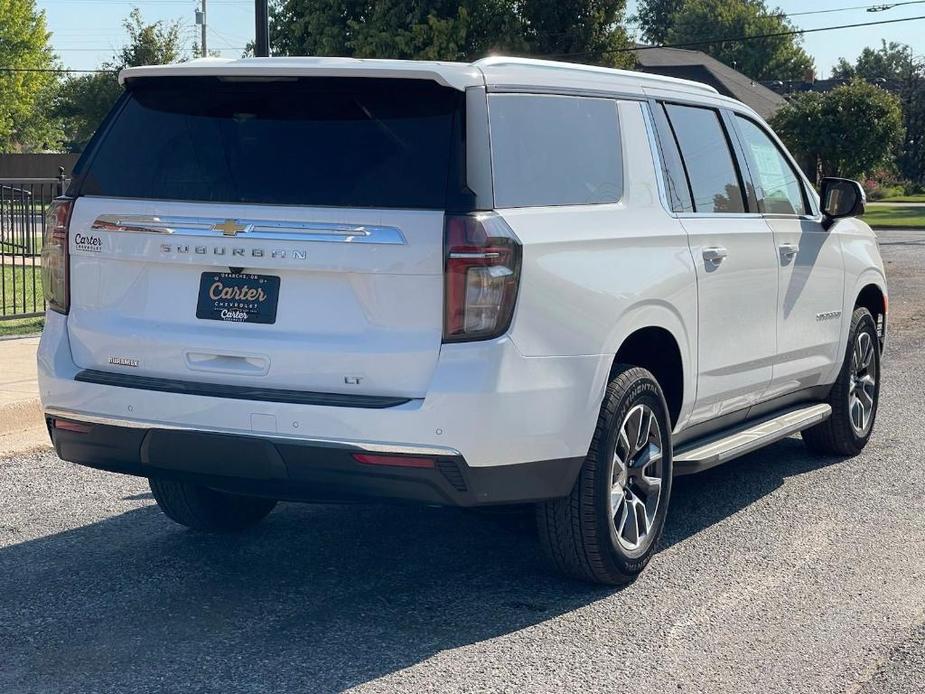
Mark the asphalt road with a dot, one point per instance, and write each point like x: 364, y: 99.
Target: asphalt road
x: 778, y: 573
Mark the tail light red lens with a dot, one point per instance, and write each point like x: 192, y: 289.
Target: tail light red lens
x: 394, y: 460
x: 75, y: 427
x: 55, y: 278
x: 482, y: 276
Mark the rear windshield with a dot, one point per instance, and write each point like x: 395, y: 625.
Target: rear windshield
x: 319, y: 141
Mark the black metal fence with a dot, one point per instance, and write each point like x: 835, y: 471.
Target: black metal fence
x: 23, y: 204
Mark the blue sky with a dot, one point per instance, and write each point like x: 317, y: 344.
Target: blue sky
x: 87, y: 32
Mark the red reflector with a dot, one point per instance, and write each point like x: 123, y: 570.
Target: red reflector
x: 394, y: 460
x: 76, y: 427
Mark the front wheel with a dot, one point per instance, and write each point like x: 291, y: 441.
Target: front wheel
x: 606, y: 530
x: 202, y: 508
x: 855, y: 395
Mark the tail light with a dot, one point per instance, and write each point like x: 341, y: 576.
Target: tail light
x: 482, y: 275
x: 76, y: 427
x: 394, y: 460
x: 55, y: 255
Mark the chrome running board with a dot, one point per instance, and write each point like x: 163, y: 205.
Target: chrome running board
x: 706, y: 453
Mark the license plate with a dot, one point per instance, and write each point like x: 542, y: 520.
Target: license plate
x: 238, y: 298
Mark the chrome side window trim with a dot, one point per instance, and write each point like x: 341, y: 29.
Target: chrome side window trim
x: 627, y: 95
x: 250, y: 229
x: 720, y: 215
x: 656, y: 158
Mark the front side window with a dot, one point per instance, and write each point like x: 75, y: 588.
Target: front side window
x: 707, y: 158
x: 555, y: 150
x: 780, y: 190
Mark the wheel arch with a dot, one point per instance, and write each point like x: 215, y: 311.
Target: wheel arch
x: 873, y: 297
x: 656, y: 349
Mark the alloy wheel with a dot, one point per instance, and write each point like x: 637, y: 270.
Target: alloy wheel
x: 863, y: 386
x: 636, y: 487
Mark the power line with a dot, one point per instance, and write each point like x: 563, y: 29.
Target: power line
x: 879, y: 7
x: 870, y: 8
x: 58, y: 70
x: 701, y: 42
x: 109, y: 48
x: 731, y: 39
x: 145, y: 2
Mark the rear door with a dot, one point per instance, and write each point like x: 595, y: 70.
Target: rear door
x: 734, y: 255
x: 281, y: 234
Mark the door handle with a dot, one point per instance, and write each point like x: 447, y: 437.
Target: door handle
x: 714, y: 254
x: 788, y: 250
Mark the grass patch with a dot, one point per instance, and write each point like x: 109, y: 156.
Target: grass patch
x: 18, y: 246
x: 21, y: 289
x: 904, y: 198
x: 896, y: 217
x: 21, y: 326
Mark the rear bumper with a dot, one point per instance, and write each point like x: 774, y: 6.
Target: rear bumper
x: 300, y: 470
x: 486, y: 401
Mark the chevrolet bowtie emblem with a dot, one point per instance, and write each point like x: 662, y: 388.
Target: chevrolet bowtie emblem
x: 230, y: 227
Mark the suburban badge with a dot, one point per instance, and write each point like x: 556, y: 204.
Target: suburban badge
x: 123, y: 361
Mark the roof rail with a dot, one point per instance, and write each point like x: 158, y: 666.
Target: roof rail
x: 579, y: 67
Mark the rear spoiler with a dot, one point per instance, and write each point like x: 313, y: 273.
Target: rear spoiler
x: 454, y: 75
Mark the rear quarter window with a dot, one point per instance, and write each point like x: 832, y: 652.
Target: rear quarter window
x: 313, y: 141
x: 555, y: 150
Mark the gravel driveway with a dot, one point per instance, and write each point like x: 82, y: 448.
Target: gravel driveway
x: 778, y: 573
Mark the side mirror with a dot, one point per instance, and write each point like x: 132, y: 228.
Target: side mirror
x: 841, y: 197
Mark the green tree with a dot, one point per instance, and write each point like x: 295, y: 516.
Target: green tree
x: 655, y: 18
x: 851, y: 131
x: 148, y: 44
x: 25, y: 93
x: 777, y: 58
x: 451, y: 29
x: 590, y: 30
x: 895, y: 66
x: 912, y: 160
x: 891, y: 62
x: 83, y: 101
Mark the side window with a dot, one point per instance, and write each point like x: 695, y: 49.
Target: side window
x: 554, y: 150
x: 679, y: 194
x: 780, y: 189
x: 707, y: 158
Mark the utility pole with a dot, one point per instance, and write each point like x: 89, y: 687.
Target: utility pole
x: 201, y: 21
x: 205, y: 41
x: 262, y: 25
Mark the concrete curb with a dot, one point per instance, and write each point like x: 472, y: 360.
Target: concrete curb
x: 22, y: 428
x: 22, y: 415
x: 7, y: 338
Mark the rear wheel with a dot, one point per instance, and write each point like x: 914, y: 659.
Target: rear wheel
x: 855, y: 395
x: 606, y: 530
x: 202, y: 508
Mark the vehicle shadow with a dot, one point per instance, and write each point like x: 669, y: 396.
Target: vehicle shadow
x: 326, y: 597
x: 702, y: 500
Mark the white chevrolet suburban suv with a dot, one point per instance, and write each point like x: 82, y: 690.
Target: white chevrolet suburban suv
x: 512, y: 281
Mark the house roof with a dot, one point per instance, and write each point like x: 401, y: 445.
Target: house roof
x: 700, y: 67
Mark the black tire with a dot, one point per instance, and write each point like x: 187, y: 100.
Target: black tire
x: 202, y: 508
x: 579, y: 532
x: 837, y: 435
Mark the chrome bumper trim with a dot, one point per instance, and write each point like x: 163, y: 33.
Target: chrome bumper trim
x: 368, y: 446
